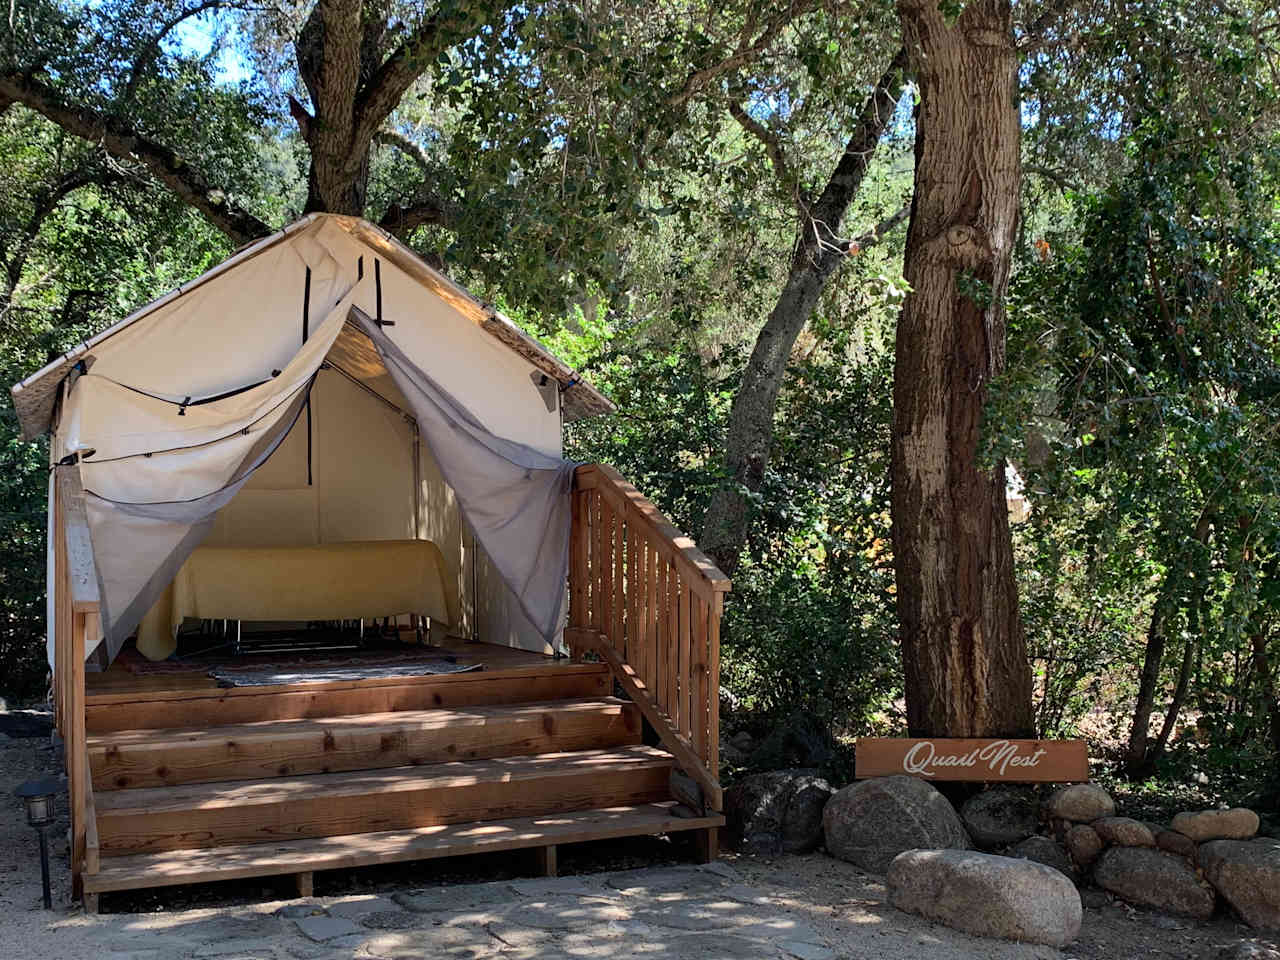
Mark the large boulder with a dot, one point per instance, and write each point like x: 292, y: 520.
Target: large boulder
x: 1154, y: 878
x: 1248, y: 876
x: 1081, y: 803
x: 1123, y: 832
x: 1205, y: 825
x: 777, y: 812
x: 1043, y: 850
x: 988, y: 895
x: 870, y: 822
x: 1084, y: 845
x: 1000, y: 816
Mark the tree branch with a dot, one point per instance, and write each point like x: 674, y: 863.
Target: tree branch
x: 742, y: 54
x: 399, y: 141
x: 151, y: 47
x: 773, y: 147
x: 392, y: 79
x: 121, y: 140
x: 44, y: 203
x: 429, y: 211
x: 879, y: 231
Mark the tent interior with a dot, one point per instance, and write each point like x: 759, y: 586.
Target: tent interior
x: 261, y: 394
x: 353, y: 468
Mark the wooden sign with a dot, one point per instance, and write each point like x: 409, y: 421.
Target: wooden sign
x: 1005, y: 761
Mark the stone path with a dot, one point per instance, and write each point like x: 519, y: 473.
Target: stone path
x: 792, y: 908
x: 706, y: 913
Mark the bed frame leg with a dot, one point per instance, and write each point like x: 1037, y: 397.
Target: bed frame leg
x: 306, y: 884
x: 91, y: 904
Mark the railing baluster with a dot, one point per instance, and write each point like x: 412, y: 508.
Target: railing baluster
x: 671, y: 646
x: 619, y: 580
x: 651, y: 604
x: 686, y: 667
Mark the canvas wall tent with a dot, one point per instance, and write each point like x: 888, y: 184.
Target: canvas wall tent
x: 326, y: 395
x: 323, y: 385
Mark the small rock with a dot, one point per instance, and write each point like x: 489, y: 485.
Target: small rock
x: 1084, y: 845
x: 987, y: 895
x: 321, y: 929
x: 1248, y: 876
x: 1044, y: 850
x: 1000, y: 816
x: 1205, y: 825
x: 1178, y: 843
x: 1154, y: 878
x: 870, y: 822
x: 1081, y: 803
x: 1123, y: 832
x: 777, y: 812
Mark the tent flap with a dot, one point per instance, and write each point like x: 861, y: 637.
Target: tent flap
x: 514, y: 498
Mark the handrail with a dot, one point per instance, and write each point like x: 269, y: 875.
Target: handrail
x: 646, y: 600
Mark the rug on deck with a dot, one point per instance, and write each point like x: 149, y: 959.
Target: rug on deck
x: 139, y: 665
x: 311, y: 673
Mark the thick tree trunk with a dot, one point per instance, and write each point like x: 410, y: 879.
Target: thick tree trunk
x: 818, y: 252
x: 963, y: 648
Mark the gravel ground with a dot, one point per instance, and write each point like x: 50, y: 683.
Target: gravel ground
x: 804, y: 908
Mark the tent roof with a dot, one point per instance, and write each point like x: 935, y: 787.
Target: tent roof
x: 33, y: 398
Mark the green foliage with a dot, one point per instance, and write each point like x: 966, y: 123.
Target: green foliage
x: 1141, y: 406
x: 810, y: 625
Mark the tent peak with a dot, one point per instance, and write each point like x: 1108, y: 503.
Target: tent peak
x: 34, y: 397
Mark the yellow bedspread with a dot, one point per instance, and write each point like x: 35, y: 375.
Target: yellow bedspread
x: 328, y: 581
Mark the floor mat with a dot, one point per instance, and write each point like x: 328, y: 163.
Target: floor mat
x: 312, y: 673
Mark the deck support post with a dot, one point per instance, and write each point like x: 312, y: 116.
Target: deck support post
x: 545, y: 860
x: 306, y: 883
x: 706, y: 844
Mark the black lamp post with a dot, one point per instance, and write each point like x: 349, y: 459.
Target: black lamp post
x: 40, y: 797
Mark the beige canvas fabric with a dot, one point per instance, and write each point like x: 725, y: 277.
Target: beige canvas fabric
x: 177, y: 415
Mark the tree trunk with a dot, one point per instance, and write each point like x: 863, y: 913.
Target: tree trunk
x: 963, y: 648
x: 1138, y: 757
x: 818, y: 252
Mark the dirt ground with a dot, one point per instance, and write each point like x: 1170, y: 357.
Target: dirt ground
x: 844, y: 905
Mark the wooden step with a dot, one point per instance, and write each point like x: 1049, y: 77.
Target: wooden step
x: 183, y: 707
x: 363, y: 849
x: 278, y: 748
x: 150, y: 819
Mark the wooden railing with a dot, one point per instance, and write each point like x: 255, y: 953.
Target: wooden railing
x: 77, y: 629
x: 646, y: 600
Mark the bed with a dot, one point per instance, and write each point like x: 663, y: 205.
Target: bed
x: 328, y: 581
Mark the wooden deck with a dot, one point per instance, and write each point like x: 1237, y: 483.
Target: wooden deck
x: 193, y: 782
x: 176, y: 779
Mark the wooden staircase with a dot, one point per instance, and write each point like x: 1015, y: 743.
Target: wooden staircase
x: 291, y: 796
x: 171, y: 783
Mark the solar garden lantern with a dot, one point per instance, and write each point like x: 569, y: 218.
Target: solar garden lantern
x: 40, y: 797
